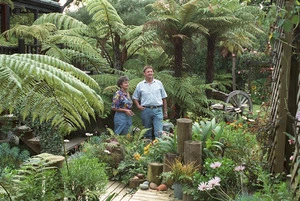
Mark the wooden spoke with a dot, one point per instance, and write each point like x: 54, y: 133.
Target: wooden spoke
x: 237, y: 104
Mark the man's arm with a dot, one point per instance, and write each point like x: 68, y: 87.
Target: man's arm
x: 137, y: 104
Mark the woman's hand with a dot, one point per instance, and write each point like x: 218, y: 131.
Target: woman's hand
x: 129, y: 113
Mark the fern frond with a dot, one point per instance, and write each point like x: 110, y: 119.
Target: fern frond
x: 60, y: 20
x: 40, y: 32
x: 57, y: 67
x: 75, y: 43
x: 49, y: 89
x: 103, y: 11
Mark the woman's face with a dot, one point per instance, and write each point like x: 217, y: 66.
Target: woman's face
x: 125, y: 85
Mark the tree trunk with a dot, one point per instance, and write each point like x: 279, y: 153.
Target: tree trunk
x: 249, y: 77
x: 117, y: 53
x: 210, y: 70
x: 233, y: 72
x: 178, y: 43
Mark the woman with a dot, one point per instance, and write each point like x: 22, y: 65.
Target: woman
x: 122, y: 105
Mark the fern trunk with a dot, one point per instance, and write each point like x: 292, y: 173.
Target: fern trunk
x: 233, y: 72
x: 209, y: 75
x: 117, y: 53
x: 178, y: 43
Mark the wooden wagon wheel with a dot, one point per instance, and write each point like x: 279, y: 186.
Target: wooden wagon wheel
x: 237, y: 104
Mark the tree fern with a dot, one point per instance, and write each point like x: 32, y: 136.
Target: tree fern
x: 103, y: 11
x: 40, y: 32
x: 49, y: 89
x: 60, y: 20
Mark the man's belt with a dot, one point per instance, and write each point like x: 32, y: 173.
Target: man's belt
x: 152, y: 107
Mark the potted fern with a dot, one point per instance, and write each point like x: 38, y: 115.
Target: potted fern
x: 180, y: 174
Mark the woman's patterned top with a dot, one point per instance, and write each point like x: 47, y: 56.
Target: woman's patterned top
x: 121, y: 100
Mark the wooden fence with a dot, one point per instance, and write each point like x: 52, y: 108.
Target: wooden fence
x: 21, y: 48
x: 285, y: 104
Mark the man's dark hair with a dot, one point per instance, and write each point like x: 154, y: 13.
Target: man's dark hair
x: 146, y: 67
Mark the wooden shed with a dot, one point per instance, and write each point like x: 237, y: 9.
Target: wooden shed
x: 23, y: 6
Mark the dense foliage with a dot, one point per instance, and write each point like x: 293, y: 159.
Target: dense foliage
x: 105, y: 39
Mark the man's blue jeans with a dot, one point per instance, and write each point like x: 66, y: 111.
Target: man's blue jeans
x: 152, y: 118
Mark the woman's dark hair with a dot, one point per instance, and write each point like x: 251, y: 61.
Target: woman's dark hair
x: 121, y: 80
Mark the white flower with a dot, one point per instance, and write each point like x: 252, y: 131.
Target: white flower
x: 215, y: 165
x: 203, y: 186
x: 239, y: 168
x: 214, y: 182
x: 298, y: 116
x: 106, y: 151
x: 89, y: 134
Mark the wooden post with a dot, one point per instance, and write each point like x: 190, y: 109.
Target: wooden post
x: 169, y: 159
x: 154, y: 171
x: 5, y: 17
x: 21, y: 46
x: 193, y: 152
x: 184, y: 133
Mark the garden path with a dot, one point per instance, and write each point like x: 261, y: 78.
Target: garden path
x: 123, y: 193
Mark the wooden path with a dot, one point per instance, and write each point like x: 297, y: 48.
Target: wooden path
x: 123, y: 193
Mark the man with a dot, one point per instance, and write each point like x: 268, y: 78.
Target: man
x: 150, y: 97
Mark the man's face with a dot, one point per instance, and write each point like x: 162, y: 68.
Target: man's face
x: 148, y: 73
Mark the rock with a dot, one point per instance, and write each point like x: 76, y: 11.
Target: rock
x: 144, y: 187
x: 140, y: 176
x: 153, y: 186
x: 134, y: 183
x: 146, y: 182
x: 162, y: 187
x: 135, y: 178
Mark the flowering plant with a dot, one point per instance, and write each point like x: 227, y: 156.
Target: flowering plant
x: 219, y: 181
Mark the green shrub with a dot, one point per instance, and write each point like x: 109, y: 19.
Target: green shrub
x: 84, y: 177
x: 11, y: 157
x: 37, y: 179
